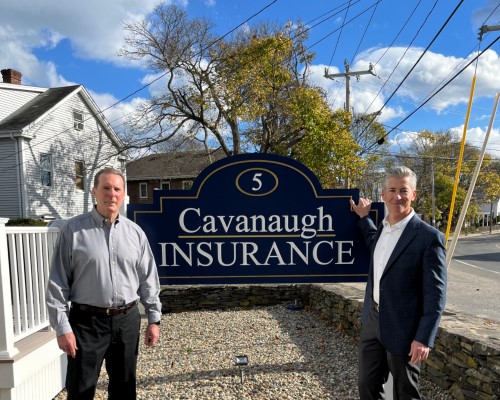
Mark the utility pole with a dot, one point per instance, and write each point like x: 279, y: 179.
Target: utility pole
x: 347, y: 75
x: 487, y: 28
x: 433, y: 201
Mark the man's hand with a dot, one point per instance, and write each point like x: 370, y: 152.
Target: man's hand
x: 363, y: 207
x: 152, y: 334
x: 67, y: 343
x: 418, y: 352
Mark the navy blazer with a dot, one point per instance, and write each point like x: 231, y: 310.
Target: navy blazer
x: 412, y: 287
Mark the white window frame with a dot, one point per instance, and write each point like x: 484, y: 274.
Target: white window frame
x: 78, y: 122
x: 44, y: 169
x: 166, y: 184
x: 82, y: 176
x: 186, y: 185
x: 143, y: 186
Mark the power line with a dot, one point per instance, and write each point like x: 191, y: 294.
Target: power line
x: 341, y: 27
x: 418, y: 60
x: 348, y: 22
x: 364, y: 33
x: 401, y: 58
x: 381, y: 140
x: 399, y: 33
x: 340, y: 33
x: 457, y: 66
x: 101, y: 112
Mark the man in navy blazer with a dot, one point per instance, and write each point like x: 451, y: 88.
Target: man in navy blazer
x: 405, y: 294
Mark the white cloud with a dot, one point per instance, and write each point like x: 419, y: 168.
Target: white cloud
x: 370, y: 93
x: 116, y: 113
x: 94, y: 27
x: 476, y: 137
x: 94, y: 30
x: 401, y: 140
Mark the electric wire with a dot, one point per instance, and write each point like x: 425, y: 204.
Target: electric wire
x: 114, y: 104
x: 478, y: 46
x: 457, y: 66
x: 380, y: 140
x: 364, y: 32
x: 418, y: 61
x: 402, y: 56
x: 101, y: 112
x: 348, y: 22
x: 399, y: 33
x: 335, y: 49
x: 340, y: 33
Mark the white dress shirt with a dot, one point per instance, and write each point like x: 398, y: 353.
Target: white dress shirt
x: 384, y: 248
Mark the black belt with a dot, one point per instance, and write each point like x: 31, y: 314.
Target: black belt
x: 111, y: 311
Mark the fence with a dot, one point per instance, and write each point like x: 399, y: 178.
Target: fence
x: 25, y: 254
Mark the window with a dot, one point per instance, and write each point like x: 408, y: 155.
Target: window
x: 79, y: 175
x: 46, y: 169
x: 186, y: 185
x: 78, y: 120
x: 143, y: 190
x: 165, y: 185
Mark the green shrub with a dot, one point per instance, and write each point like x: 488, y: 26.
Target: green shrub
x: 26, y: 222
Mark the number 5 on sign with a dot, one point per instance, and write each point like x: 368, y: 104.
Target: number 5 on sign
x: 257, y: 182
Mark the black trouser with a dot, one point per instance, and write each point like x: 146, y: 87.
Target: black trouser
x: 375, y: 363
x: 99, y: 337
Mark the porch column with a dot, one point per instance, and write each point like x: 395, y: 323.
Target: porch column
x: 7, y: 348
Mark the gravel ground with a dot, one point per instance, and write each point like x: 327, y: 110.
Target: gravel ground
x: 292, y: 355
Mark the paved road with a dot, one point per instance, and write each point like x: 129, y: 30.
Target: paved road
x: 474, y: 277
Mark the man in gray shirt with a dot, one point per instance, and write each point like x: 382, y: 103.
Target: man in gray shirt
x: 101, y: 267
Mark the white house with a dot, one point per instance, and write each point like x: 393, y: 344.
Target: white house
x: 52, y: 141
x: 489, y: 211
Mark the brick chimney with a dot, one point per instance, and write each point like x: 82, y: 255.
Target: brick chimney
x: 11, y: 76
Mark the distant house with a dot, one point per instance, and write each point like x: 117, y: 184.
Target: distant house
x: 52, y: 141
x: 488, y: 212
x: 175, y: 170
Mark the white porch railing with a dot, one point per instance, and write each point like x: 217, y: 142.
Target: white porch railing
x: 25, y: 254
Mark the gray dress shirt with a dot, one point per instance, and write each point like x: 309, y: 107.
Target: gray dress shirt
x: 101, y: 264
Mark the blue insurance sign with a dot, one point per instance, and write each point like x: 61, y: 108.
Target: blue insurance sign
x: 255, y: 218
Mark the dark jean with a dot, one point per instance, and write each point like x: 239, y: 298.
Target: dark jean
x: 113, y: 339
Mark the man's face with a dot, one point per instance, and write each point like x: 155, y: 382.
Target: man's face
x: 109, y: 195
x: 398, y: 196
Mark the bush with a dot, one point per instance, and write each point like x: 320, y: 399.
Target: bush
x: 26, y: 222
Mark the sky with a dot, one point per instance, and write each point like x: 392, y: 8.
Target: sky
x: 415, y: 48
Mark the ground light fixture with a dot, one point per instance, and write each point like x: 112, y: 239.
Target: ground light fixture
x: 241, y: 361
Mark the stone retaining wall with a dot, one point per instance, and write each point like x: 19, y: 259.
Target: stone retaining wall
x: 465, y: 360
x: 191, y: 298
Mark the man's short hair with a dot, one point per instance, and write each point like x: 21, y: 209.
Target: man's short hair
x: 105, y: 171
x: 401, y: 172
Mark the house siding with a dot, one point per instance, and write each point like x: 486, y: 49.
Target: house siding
x: 11, y: 99
x: 9, y: 180
x: 56, y: 135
